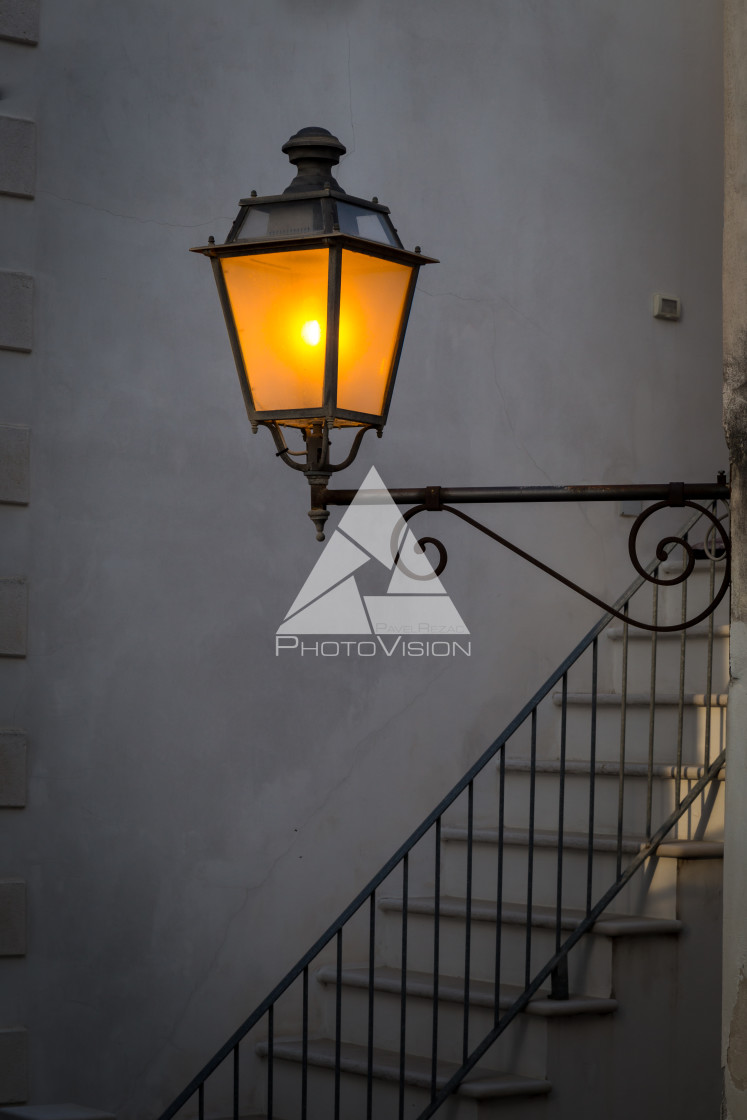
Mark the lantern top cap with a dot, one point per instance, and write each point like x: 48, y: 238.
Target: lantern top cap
x: 314, y: 151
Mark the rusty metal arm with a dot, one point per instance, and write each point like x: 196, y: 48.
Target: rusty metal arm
x: 671, y: 495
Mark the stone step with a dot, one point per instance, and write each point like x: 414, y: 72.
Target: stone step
x: 668, y: 659
x: 615, y: 631
x: 543, y: 917
x: 522, y: 1047
x: 451, y: 989
x: 611, y: 769
x: 704, y: 819
x: 642, y: 699
x: 543, y: 838
x: 544, y: 866
x: 670, y: 605
x: 696, y: 715
x: 673, y: 566
x: 691, y: 849
x: 651, y: 893
x: 590, y: 962
x: 670, y: 597
x: 481, y: 1086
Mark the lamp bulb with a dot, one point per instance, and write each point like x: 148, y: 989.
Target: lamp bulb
x: 311, y: 332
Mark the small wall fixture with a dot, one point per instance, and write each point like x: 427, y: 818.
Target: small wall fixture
x: 667, y: 307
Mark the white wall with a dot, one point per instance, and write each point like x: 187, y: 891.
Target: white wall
x: 198, y: 809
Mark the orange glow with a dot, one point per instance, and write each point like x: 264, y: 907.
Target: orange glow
x: 279, y: 303
x: 277, y: 300
x: 372, y: 301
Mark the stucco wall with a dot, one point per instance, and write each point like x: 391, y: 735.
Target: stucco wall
x: 199, y: 809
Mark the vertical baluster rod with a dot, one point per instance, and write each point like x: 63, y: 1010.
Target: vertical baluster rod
x: 681, y: 695
x: 270, y: 1061
x: 530, y: 849
x: 403, y: 990
x: 559, y: 982
x: 305, y: 1045
x: 370, y: 1040
x: 338, y: 1023
x: 236, y: 1082
x: 652, y: 707
x: 468, y: 919
x: 592, y: 772
x: 561, y: 812
x: 623, y: 730
x: 709, y: 663
x: 436, y: 956
x: 201, y: 1101
x: 499, y: 887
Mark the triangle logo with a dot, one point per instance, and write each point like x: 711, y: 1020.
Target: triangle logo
x: 372, y: 534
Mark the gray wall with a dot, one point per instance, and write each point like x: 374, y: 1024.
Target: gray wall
x: 198, y: 809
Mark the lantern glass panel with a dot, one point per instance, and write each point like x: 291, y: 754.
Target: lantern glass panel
x: 279, y: 304
x: 372, y: 302
x: 282, y: 219
x: 360, y: 222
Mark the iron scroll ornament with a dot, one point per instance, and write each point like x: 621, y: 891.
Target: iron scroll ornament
x: 662, y: 552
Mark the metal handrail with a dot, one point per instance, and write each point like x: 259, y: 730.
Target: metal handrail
x: 553, y: 968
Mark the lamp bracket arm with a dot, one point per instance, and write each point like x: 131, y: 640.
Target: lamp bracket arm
x: 674, y: 493
x: 663, y: 549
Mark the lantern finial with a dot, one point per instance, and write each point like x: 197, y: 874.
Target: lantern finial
x: 314, y: 151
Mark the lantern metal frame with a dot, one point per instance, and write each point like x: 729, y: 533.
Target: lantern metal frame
x: 330, y: 413
x: 314, y: 151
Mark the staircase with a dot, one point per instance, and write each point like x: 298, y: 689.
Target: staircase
x: 546, y: 945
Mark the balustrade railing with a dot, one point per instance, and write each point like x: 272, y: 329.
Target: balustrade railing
x: 569, y: 776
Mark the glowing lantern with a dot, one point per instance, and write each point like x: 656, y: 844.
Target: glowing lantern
x: 316, y: 290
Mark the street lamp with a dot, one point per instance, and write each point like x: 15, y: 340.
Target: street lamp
x: 316, y: 289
